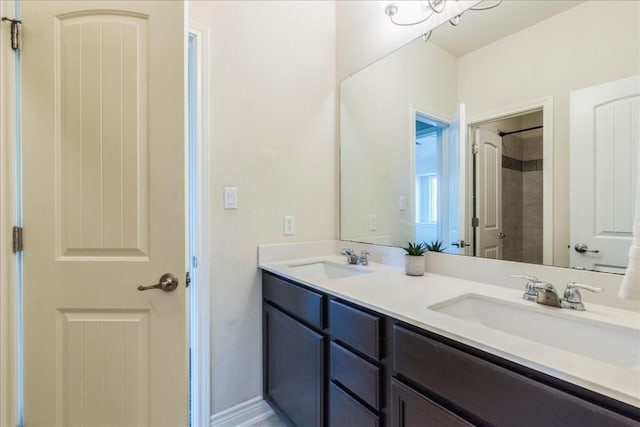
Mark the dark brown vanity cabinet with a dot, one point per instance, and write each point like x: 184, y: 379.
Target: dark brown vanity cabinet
x: 328, y: 362
x: 294, y: 352
x: 486, y: 393
x: 321, y: 357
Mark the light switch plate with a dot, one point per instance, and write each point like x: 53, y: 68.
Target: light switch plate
x: 373, y: 222
x: 402, y: 203
x: 289, y: 225
x: 230, y: 197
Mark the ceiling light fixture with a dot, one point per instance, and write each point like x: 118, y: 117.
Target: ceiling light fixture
x: 456, y: 19
x: 407, y: 13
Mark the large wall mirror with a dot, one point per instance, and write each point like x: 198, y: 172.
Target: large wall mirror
x: 513, y: 135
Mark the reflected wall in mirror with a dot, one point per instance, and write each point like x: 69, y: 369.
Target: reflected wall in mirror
x: 435, y: 146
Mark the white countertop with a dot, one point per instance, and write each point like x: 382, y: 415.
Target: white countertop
x: 389, y: 291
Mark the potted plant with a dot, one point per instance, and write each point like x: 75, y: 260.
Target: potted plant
x: 414, y: 260
x: 435, y: 246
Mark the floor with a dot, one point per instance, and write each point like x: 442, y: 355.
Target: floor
x: 272, y: 421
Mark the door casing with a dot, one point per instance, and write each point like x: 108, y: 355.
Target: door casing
x: 546, y: 104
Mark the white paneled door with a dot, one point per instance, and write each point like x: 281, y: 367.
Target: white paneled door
x: 604, y: 141
x: 104, y: 212
x: 489, y: 194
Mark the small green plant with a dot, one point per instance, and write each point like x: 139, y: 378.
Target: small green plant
x: 435, y: 246
x: 416, y: 249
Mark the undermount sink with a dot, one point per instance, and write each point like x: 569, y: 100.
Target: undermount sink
x: 606, y: 342
x: 330, y: 270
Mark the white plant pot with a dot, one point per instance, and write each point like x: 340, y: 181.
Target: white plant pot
x: 414, y: 265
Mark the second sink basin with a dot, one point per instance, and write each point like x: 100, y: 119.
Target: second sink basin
x: 330, y: 270
x: 606, y: 342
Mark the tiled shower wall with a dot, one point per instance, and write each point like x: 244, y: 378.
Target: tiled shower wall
x: 522, y: 198
x: 512, y: 153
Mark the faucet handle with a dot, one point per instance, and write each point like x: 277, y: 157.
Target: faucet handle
x: 524, y: 276
x: 352, y: 258
x: 362, y: 259
x: 573, y: 299
x: 574, y: 285
x: 530, y: 291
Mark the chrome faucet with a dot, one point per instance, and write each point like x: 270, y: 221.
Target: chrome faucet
x: 572, y: 298
x: 352, y: 258
x: 547, y: 295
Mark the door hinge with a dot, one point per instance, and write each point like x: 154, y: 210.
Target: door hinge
x: 475, y: 148
x: 16, y: 32
x: 17, y: 239
x: 187, y: 280
x: 475, y: 222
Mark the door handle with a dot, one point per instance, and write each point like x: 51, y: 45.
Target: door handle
x: 168, y: 283
x: 460, y: 244
x: 582, y: 248
x: 501, y: 235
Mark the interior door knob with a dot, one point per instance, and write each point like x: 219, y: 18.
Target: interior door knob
x: 168, y: 283
x: 582, y: 248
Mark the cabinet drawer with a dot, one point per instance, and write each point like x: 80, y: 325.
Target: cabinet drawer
x: 356, y: 374
x: 411, y: 409
x: 345, y: 411
x: 355, y: 328
x: 489, y: 392
x: 296, y: 300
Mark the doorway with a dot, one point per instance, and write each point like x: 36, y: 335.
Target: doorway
x: 508, y: 199
x: 198, y: 206
x: 436, y: 183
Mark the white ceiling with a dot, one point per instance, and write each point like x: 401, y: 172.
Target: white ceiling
x: 480, y: 28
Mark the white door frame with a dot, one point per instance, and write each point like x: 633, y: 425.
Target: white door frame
x: 200, y: 332
x: 546, y: 104
x: 8, y: 358
x: 199, y: 293
x: 416, y: 110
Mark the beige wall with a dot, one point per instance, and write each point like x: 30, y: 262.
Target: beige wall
x: 581, y: 47
x: 272, y: 134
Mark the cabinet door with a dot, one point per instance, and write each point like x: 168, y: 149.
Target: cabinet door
x: 294, y: 368
x: 411, y: 409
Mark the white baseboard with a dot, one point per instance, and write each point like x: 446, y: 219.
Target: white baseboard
x: 244, y: 414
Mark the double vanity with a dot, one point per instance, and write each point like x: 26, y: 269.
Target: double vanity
x: 366, y: 345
